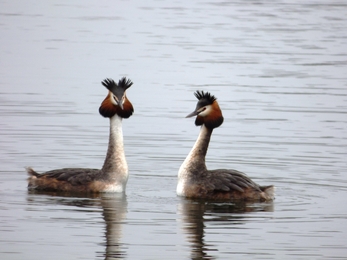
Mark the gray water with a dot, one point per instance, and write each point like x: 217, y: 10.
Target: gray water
x: 279, y: 71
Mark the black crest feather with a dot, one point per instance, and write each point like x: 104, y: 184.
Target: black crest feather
x: 109, y: 83
x: 123, y: 83
x: 206, y: 97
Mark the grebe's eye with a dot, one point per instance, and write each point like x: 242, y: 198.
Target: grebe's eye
x: 201, y: 109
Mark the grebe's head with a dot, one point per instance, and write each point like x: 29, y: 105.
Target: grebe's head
x: 116, y: 101
x: 207, y: 110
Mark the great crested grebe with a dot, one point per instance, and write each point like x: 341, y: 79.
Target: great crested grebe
x: 195, y: 181
x: 113, y: 176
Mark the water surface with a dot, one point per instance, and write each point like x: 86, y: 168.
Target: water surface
x: 279, y: 73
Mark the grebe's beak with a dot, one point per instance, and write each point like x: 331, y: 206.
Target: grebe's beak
x: 194, y: 113
x: 120, y: 103
x: 117, y: 99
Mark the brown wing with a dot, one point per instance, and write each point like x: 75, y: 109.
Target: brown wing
x: 230, y: 180
x: 74, y: 176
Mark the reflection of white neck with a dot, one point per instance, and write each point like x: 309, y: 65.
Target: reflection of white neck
x: 114, y: 210
x: 115, y: 167
x: 194, y: 164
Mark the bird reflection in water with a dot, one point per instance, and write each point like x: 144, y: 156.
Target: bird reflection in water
x: 114, y: 211
x: 194, y: 215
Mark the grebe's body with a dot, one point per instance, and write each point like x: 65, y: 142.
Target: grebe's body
x: 195, y: 181
x: 113, y: 176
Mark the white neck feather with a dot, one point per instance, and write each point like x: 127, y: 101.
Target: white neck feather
x: 115, y: 167
x: 194, y: 164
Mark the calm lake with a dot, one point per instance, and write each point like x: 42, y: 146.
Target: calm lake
x: 279, y: 71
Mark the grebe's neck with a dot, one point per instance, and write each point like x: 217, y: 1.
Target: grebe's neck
x: 195, y: 161
x: 115, y: 167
